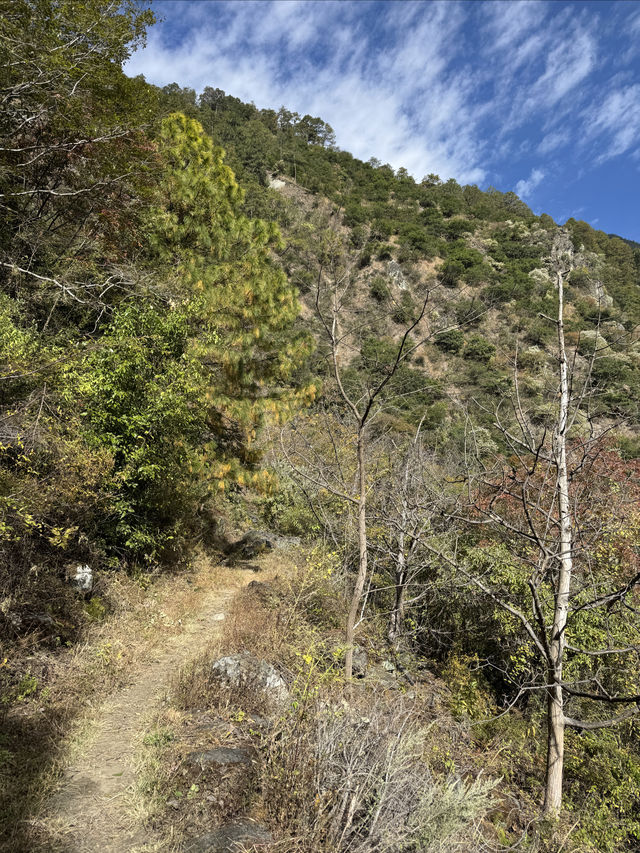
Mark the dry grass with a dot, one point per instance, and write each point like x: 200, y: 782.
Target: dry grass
x: 374, y: 773
x: 44, y: 730
x: 176, y: 798
x: 355, y: 778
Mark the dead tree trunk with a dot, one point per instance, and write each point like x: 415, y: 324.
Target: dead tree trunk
x: 362, y: 557
x: 396, y: 617
x: 556, y: 719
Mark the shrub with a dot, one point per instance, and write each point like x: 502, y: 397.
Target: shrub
x: 610, y: 369
x: 435, y: 415
x: 450, y: 341
x: 382, y: 229
x: 379, y: 289
x: 451, y: 272
x: 354, y: 214
x: 532, y: 359
x: 359, y: 236
x: 540, y: 332
x: 417, y: 239
x: 629, y: 446
x: 467, y: 257
x: 479, y: 349
x: 579, y: 277
x: 468, y: 311
x: 354, y: 779
x: 457, y: 227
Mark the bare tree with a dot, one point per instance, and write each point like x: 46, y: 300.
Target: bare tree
x: 408, y: 505
x: 361, y: 401
x: 551, y: 503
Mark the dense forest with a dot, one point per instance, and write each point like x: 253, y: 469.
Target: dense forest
x: 208, y: 311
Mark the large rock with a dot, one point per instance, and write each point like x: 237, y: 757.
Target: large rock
x: 251, y: 545
x: 263, y: 591
x: 360, y: 662
x: 243, y: 670
x: 219, y: 757
x: 232, y: 838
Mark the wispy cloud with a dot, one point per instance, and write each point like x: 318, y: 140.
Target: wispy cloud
x: 398, y: 100
x: 447, y: 87
x: 554, y: 140
x: 614, y: 123
x: 525, y: 188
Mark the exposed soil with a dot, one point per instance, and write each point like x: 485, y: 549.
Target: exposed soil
x: 91, y: 811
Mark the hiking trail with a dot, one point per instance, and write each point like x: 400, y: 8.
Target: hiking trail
x: 91, y: 811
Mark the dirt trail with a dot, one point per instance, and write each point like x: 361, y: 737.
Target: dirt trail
x: 90, y: 808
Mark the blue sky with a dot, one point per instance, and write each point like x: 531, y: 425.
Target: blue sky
x: 542, y: 98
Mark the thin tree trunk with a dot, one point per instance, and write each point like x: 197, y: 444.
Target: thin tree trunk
x: 362, y: 557
x: 396, y: 617
x: 555, y: 749
x: 555, y: 713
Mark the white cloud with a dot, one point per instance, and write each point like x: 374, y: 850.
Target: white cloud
x: 614, y: 123
x: 441, y: 87
x: 525, y: 188
x: 511, y: 24
x: 554, y: 140
x: 400, y: 103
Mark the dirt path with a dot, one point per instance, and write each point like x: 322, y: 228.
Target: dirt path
x: 90, y: 808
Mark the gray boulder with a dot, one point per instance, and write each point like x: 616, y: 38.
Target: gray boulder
x: 251, y: 545
x: 232, y: 838
x: 220, y: 757
x: 360, y: 662
x: 264, y: 591
x: 246, y: 671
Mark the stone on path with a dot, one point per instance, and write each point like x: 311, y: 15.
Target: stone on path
x: 231, y: 837
x: 246, y: 671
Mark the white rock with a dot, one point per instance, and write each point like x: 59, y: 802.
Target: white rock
x: 83, y: 578
x: 245, y: 670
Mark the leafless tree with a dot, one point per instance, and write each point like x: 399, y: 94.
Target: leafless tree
x: 544, y: 500
x: 361, y: 402
x: 409, y: 505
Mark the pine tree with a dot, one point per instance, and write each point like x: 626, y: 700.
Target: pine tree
x: 223, y: 273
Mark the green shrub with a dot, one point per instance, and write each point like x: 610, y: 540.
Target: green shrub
x: 450, y: 273
x: 458, y: 251
x: 450, y: 341
x: 455, y: 228
x: 379, y: 289
x: 382, y: 229
x: 629, y: 446
x: 540, y: 331
x: 610, y: 369
x: 468, y: 312
x: 359, y: 236
x: 354, y: 214
x: 479, y: 349
x: 479, y: 274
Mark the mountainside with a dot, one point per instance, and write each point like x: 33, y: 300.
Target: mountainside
x: 484, y: 255
x: 213, y: 319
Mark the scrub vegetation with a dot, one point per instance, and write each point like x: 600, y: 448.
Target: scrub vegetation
x: 213, y: 319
